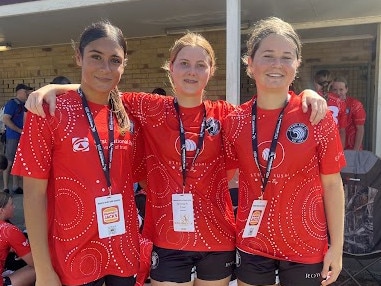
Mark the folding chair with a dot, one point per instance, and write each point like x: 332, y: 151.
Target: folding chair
x: 362, y: 234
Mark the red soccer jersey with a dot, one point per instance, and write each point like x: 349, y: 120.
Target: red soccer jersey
x: 294, y: 224
x: 62, y: 150
x: 356, y: 115
x: 337, y: 107
x: 206, y: 180
x: 11, y: 238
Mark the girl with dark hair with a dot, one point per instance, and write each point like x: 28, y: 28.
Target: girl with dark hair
x: 77, y: 166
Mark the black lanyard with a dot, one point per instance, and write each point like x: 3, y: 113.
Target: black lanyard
x: 183, y: 144
x: 254, y: 141
x: 105, y: 167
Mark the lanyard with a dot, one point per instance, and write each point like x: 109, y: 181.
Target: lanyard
x: 105, y: 167
x: 274, y: 141
x: 183, y: 144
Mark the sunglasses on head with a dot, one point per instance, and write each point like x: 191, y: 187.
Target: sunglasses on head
x: 324, y: 83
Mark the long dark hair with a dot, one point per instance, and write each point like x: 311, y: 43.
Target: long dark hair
x: 104, y: 29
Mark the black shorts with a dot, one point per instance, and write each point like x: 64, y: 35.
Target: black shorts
x: 259, y: 270
x: 169, y: 265
x: 111, y: 280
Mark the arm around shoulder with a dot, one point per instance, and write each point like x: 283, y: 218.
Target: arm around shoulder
x: 317, y: 103
x: 48, y: 94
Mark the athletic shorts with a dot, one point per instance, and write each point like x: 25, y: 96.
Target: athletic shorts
x: 111, y: 280
x: 169, y: 265
x: 10, y: 149
x: 259, y: 270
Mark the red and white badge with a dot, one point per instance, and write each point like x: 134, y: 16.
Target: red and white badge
x: 110, y: 215
x: 254, y: 219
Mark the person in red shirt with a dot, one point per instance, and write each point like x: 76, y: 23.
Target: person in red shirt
x: 355, y: 115
x: 189, y: 214
x: 12, y: 239
x: 322, y: 82
x: 79, y: 203
x: 290, y: 190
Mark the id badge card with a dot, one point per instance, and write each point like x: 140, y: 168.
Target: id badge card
x: 183, y: 214
x: 255, y: 218
x: 110, y: 215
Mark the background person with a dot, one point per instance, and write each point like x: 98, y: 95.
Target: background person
x: 322, y: 82
x: 355, y: 114
x: 160, y: 91
x: 13, y: 119
x: 13, y: 240
x: 60, y: 80
x: 81, y: 218
x: 287, y: 203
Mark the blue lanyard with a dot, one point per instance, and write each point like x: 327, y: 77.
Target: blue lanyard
x: 105, y: 166
x: 265, y: 177
x: 183, y: 144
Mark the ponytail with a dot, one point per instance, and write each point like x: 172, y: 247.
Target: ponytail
x: 120, y: 112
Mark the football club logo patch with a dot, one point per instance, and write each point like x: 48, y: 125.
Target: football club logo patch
x: 213, y: 126
x: 297, y: 133
x: 80, y: 144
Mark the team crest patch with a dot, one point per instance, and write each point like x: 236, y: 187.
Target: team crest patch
x: 213, y: 126
x: 80, y: 144
x: 154, y: 260
x: 297, y: 133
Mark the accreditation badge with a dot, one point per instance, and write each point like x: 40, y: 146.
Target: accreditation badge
x: 255, y: 218
x: 110, y: 215
x: 182, y: 211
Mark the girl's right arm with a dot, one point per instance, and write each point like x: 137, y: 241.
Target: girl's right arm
x: 48, y: 94
x: 36, y: 223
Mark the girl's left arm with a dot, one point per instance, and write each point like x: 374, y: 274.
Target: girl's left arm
x: 334, y: 210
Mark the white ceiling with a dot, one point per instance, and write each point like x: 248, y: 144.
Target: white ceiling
x: 49, y: 22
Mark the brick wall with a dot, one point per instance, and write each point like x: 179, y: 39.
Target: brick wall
x: 38, y: 66
x: 331, y: 54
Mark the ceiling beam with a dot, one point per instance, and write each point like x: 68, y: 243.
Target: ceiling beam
x: 337, y: 22
x: 51, y: 5
x: 338, y: 38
